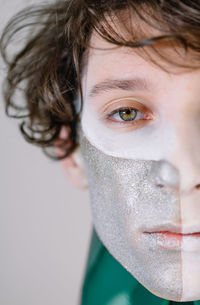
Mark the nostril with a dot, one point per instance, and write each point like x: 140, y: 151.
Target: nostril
x: 161, y: 185
x: 198, y: 186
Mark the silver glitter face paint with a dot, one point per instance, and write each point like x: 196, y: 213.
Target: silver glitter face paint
x: 128, y: 199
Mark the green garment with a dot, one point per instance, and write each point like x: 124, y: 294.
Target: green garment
x: 106, y: 282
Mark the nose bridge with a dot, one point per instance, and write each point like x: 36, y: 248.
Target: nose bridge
x: 186, y: 157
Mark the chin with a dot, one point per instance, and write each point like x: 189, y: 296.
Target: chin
x: 191, y: 298
x: 192, y: 294
x: 165, y: 292
x: 174, y: 295
x: 167, y: 296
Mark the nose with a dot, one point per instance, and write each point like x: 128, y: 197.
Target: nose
x: 165, y: 175
x: 180, y: 170
x: 189, y: 172
x: 186, y: 156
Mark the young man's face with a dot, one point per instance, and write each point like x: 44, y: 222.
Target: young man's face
x: 140, y: 139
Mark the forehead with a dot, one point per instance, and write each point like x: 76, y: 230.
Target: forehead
x: 107, y: 60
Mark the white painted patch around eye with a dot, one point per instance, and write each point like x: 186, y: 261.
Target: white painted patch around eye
x: 155, y: 141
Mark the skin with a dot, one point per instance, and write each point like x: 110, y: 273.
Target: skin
x: 172, y: 109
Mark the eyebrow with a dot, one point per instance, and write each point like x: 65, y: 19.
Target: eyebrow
x: 107, y: 85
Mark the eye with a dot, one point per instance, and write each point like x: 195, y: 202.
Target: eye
x: 126, y: 114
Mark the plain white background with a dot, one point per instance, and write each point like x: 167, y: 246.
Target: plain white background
x: 45, y: 224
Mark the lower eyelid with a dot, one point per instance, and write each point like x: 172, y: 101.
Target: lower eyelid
x: 133, y: 122
x: 128, y: 126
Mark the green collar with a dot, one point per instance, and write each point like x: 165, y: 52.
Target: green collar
x: 106, y: 282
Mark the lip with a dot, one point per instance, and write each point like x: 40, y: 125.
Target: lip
x: 175, y: 234
x: 172, y: 240
x: 174, y: 229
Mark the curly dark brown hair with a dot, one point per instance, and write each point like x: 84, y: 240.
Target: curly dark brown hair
x: 49, y: 45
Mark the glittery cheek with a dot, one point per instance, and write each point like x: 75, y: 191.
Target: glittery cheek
x: 125, y: 202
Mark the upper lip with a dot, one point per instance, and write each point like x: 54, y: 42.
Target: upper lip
x: 174, y: 229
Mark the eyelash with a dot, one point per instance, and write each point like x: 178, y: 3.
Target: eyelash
x: 121, y: 121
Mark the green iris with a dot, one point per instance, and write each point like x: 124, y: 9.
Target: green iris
x: 128, y: 114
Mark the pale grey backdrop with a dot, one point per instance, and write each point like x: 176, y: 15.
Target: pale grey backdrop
x: 45, y: 224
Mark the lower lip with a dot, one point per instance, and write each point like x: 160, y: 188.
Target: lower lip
x: 171, y: 240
